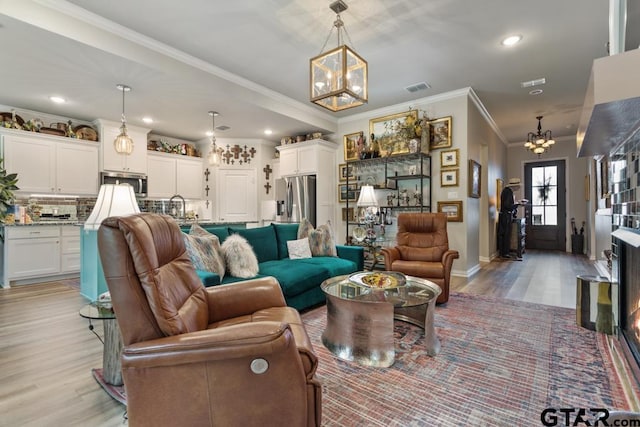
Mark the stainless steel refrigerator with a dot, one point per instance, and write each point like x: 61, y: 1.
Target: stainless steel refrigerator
x: 296, y: 197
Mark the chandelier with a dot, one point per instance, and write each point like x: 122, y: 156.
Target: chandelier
x: 123, y: 143
x: 338, y: 76
x: 539, y: 142
x: 215, y: 153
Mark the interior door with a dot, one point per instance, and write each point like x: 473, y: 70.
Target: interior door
x: 546, y: 211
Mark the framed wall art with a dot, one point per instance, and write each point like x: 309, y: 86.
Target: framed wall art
x: 449, y: 178
x: 475, y: 181
x: 348, y: 214
x: 453, y: 210
x: 392, y: 132
x: 449, y: 158
x: 345, y: 171
x: 499, y: 187
x: 351, y: 192
x: 351, y: 145
x: 440, y: 130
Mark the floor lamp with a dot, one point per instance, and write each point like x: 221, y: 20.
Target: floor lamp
x: 113, y: 200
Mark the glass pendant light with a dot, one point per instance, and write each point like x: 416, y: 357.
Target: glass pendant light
x: 123, y: 143
x: 214, y: 153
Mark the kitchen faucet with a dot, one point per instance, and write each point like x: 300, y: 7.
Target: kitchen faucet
x: 184, y: 206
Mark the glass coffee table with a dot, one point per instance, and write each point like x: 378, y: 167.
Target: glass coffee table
x: 360, y: 318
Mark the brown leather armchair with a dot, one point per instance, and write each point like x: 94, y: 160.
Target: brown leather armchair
x: 229, y: 355
x: 423, y: 250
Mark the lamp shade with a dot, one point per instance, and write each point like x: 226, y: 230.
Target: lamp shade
x: 113, y: 200
x: 367, y: 197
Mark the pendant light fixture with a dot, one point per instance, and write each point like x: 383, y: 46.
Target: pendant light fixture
x: 338, y: 78
x: 539, y: 142
x: 123, y: 143
x: 214, y: 153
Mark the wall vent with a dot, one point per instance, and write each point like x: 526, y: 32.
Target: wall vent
x: 532, y: 83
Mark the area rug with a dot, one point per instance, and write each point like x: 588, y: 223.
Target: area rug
x: 502, y: 363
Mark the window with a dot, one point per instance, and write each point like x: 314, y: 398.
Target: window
x: 544, y: 194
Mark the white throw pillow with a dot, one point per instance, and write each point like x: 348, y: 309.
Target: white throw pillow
x: 299, y: 248
x: 239, y: 256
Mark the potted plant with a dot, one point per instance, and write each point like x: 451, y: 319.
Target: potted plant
x: 7, y: 187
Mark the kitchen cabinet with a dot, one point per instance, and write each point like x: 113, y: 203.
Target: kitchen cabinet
x: 51, y: 164
x: 304, y: 158
x: 170, y: 174
x: 110, y: 160
x: 36, y: 252
x: 236, y: 194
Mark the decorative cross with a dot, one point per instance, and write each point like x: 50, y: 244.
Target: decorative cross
x: 206, y: 189
x: 267, y: 170
x: 252, y: 151
x: 267, y: 186
x: 245, y: 155
x: 206, y: 174
x: 227, y: 155
x: 236, y: 151
x: 207, y: 204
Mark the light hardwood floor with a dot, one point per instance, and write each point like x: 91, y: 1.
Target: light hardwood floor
x: 47, y: 350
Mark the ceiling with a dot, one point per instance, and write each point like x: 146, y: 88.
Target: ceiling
x: 249, y: 59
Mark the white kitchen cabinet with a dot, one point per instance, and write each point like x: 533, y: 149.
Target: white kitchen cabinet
x: 110, y: 160
x: 35, y: 252
x: 236, y: 194
x: 303, y: 158
x: 170, y: 174
x: 52, y: 165
x: 70, y: 249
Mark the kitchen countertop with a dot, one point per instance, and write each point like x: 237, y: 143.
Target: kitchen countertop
x: 40, y: 223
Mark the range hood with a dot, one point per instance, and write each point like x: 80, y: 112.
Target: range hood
x: 611, y: 112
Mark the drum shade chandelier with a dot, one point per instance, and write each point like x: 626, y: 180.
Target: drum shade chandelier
x: 215, y: 153
x: 539, y: 142
x: 338, y: 77
x: 123, y: 142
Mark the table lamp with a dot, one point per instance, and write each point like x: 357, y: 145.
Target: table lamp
x: 113, y: 200
x: 369, y: 202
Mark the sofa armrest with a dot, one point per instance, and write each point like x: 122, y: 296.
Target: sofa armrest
x: 390, y: 255
x: 231, y: 342
x: 447, y: 261
x: 243, y: 298
x: 352, y: 253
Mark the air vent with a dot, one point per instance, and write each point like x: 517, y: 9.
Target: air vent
x: 417, y: 87
x: 532, y: 83
x: 222, y: 128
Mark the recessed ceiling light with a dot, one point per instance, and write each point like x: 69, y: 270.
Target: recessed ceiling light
x: 535, y: 92
x: 268, y: 131
x: 511, y: 40
x: 57, y: 99
x: 147, y: 120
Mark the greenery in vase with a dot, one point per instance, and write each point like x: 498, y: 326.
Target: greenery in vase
x: 7, y: 187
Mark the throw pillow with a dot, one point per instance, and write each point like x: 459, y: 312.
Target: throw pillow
x: 321, y: 240
x: 204, y: 253
x: 240, y: 258
x: 299, y: 248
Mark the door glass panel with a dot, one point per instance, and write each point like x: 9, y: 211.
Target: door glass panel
x: 544, y: 194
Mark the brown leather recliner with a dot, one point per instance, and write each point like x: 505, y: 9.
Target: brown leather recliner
x: 229, y: 355
x: 423, y: 250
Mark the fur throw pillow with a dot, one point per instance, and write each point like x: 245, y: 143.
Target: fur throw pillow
x: 321, y: 240
x: 239, y: 256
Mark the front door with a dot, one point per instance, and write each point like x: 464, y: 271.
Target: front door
x: 544, y: 184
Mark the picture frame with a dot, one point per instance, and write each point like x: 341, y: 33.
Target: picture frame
x: 453, y: 210
x: 499, y: 188
x: 345, y: 171
x: 440, y: 133
x: 348, y: 214
x: 449, y: 177
x: 387, y: 130
x: 350, y: 192
x: 350, y: 142
x: 475, y: 179
x: 449, y: 158
x: 586, y: 187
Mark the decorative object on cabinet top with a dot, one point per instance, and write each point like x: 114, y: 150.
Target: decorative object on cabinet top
x: 12, y: 120
x: 163, y: 145
x: 286, y: 140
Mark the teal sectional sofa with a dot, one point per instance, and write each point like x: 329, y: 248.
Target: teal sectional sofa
x: 299, y: 279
